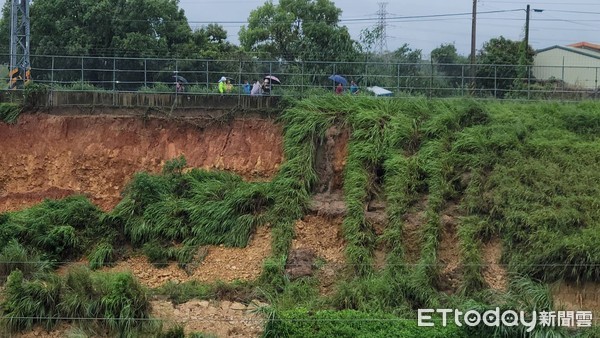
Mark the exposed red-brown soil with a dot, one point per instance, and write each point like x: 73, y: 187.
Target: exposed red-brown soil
x: 218, y: 318
x: 52, y: 156
x: 220, y: 263
x: 582, y: 297
x: 448, y: 251
x: 324, y: 237
x: 411, y: 233
x: 222, y: 319
x: 493, y: 273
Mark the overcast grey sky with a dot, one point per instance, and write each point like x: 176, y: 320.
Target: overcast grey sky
x: 560, y: 23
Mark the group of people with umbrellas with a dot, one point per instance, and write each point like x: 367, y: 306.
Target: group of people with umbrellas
x: 225, y: 86
x: 341, y: 82
x: 260, y: 88
x: 264, y: 87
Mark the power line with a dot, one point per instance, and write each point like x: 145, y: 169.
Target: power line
x: 382, y: 27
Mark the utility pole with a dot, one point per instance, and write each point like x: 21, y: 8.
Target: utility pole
x: 527, y: 29
x: 473, y: 43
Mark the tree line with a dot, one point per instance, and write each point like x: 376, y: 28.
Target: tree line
x: 291, y: 30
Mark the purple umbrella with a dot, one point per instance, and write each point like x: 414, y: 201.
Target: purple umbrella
x: 339, y: 79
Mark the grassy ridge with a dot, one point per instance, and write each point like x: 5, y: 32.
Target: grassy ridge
x: 521, y: 172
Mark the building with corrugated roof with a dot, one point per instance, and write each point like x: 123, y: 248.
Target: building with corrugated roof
x: 577, y: 65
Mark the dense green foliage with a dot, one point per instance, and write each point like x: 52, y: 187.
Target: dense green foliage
x: 54, y: 230
x: 115, y: 302
x: 298, y: 30
x: 496, y: 72
x: 348, y: 323
x: 520, y: 173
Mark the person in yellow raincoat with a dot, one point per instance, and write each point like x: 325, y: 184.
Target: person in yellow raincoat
x: 222, y: 85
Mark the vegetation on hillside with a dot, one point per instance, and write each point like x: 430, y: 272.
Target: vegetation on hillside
x: 521, y: 173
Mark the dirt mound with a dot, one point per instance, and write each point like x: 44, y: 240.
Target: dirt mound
x: 220, y: 263
x: 321, y: 235
x: 411, y: 234
x: 493, y: 273
x: 449, y: 252
x: 328, y: 204
x: 330, y: 160
x: 324, y: 237
x: 60, y: 331
x: 53, y: 156
x: 300, y: 263
x: 583, y: 297
x: 222, y: 319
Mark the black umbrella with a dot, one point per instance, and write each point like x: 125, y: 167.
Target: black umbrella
x: 273, y: 79
x: 179, y: 78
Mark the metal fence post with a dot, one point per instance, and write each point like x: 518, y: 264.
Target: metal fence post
x: 302, y: 81
x: 528, y: 82
x: 398, y: 77
x: 495, y: 81
x: 52, y: 74
x: 462, y: 80
x: 431, y: 80
x: 240, y: 87
x: 82, y: 72
x: 145, y: 72
x: 114, y: 80
x: 207, y: 83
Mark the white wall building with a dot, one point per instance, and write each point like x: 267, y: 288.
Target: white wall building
x: 577, y: 65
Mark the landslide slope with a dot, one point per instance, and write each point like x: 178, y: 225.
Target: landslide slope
x: 445, y: 204
x: 56, y: 155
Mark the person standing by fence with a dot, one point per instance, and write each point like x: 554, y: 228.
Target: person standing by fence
x: 353, y: 88
x: 256, y: 89
x: 222, y: 85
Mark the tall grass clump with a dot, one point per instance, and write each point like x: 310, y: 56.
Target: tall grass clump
x: 15, y: 256
x: 350, y: 323
x: 9, y: 112
x: 193, y: 208
x: 304, y: 129
x: 30, y: 302
x: 115, y: 303
x: 58, y: 229
x: 537, y: 190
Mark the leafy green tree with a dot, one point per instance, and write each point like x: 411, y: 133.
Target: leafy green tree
x: 449, y: 63
x: 298, y: 30
x: 499, y: 65
x: 129, y: 28
x: 108, y: 27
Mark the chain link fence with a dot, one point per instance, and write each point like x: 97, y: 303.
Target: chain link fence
x: 82, y: 73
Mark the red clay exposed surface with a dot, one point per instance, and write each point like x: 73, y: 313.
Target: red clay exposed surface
x: 53, y: 156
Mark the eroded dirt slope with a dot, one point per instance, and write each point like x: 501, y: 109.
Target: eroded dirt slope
x: 52, y: 156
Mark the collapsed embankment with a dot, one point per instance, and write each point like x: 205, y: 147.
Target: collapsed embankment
x: 53, y: 156
x: 463, y: 204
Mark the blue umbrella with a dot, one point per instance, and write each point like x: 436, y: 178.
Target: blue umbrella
x: 339, y: 79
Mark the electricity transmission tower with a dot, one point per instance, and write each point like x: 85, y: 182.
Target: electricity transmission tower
x: 381, y: 45
x: 20, y: 66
